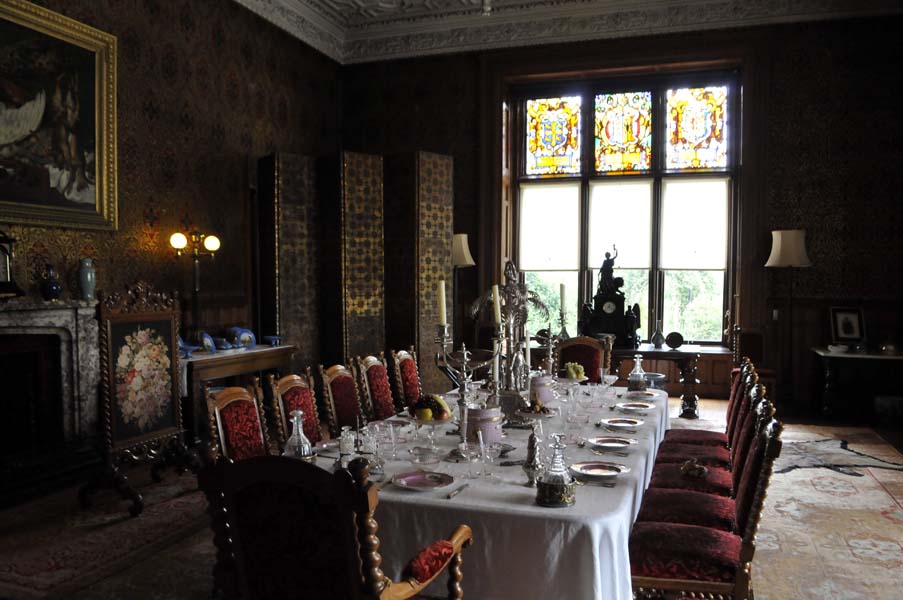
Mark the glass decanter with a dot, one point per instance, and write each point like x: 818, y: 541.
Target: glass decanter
x: 636, y: 381
x: 297, y: 445
x: 556, y: 487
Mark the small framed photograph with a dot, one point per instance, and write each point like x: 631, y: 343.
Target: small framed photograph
x: 847, y: 325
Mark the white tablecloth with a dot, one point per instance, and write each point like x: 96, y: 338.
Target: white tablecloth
x: 521, y: 550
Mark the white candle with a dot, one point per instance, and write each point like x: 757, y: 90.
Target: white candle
x: 527, y: 350
x: 442, y: 317
x: 496, y: 304
x: 562, y: 298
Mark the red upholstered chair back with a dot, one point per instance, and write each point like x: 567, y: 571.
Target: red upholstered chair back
x: 760, y: 413
x: 586, y: 351
x: 756, y: 476
x: 374, y: 379
x: 291, y: 393
x: 737, y: 382
x: 237, y: 428
x: 743, y: 406
x: 407, y: 377
x: 343, y: 404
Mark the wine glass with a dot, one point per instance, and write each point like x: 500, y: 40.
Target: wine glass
x: 490, y: 453
x: 471, y: 452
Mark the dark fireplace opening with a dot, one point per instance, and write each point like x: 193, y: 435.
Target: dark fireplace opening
x: 32, y: 407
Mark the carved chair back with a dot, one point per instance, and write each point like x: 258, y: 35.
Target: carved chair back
x: 237, y: 427
x: 407, y: 378
x: 283, y: 528
x: 761, y: 413
x: 754, y: 483
x: 373, y: 374
x: 322, y: 543
x: 586, y: 351
x: 737, y: 385
x: 343, y: 404
x: 743, y: 405
x: 291, y: 393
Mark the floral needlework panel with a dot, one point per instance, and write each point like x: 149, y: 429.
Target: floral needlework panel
x: 142, y: 378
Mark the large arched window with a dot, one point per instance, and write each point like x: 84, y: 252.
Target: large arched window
x: 648, y: 166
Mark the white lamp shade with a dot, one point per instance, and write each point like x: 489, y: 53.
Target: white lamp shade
x: 461, y: 251
x: 788, y: 249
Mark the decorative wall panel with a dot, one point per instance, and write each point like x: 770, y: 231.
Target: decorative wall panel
x: 286, y: 298
x: 352, y: 296
x: 419, y: 229
x: 203, y: 85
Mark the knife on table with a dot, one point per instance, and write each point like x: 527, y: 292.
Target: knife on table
x: 455, y: 492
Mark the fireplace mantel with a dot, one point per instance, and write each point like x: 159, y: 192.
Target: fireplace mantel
x: 75, y: 323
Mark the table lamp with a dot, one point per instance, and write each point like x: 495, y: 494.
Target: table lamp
x: 461, y: 258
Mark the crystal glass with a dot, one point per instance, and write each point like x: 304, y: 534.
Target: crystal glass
x: 471, y: 452
x: 557, y: 471
x: 297, y: 445
x: 636, y: 381
x: 585, y: 397
x: 490, y: 453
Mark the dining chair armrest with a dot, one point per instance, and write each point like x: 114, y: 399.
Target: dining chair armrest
x: 460, y: 539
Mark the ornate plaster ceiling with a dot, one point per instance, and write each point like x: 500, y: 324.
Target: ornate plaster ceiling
x: 354, y: 31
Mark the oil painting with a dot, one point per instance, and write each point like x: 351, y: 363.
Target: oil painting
x: 57, y: 120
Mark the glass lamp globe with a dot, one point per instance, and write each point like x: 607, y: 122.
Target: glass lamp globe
x: 178, y: 240
x: 211, y: 243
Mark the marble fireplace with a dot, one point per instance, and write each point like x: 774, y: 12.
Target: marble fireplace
x: 51, y: 366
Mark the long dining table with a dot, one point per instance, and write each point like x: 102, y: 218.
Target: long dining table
x: 522, y: 550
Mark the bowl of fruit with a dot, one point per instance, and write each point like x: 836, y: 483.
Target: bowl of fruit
x: 573, y: 373
x: 429, y: 409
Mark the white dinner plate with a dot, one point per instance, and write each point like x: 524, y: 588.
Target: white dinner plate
x: 423, y: 481
x: 634, y: 406
x: 595, y: 469
x: 622, y: 422
x: 610, y: 442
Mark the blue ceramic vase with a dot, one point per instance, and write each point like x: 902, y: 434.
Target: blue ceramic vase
x: 51, y: 289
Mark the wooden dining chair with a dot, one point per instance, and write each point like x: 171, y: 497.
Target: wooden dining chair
x: 291, y: 393
x: 586, y: 351
x: 373, y: 376
x: 237, y: 427
x: 407, y: 378
x: 682, y: 560
x: 284, y: 528
x: 340, y: 394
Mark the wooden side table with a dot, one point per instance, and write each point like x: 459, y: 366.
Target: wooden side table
x: 835, y: 361
x: 687, y: 359
x: 203, y: 367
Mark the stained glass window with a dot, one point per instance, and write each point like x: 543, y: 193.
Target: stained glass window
x: 553, y: 135
x: 623, y: 132
x: 697, y: 128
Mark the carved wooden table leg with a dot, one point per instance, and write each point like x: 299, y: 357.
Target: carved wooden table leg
x: 689, y: 401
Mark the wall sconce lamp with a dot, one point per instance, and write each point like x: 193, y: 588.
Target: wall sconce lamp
x: 197, y: 245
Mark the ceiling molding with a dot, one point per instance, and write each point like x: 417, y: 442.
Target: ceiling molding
x: 358, y: 31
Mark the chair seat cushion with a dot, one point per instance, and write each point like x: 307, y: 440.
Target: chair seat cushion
x: 668, y: 475
x: 674, y: 551
x: 429, y: 561
x: 712, y: 456
x: 688, y: 508
x: 695, y: 436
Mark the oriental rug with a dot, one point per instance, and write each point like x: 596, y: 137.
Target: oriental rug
x: 51, y: 549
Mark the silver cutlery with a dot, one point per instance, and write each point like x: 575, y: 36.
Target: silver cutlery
x: 602, y: 452
x: 614, y: 430
x: 605, y: 484
x: 455, y: 492
x: 512, y: 463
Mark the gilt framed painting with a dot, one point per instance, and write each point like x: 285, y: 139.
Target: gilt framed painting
x: 140, y: 368
x: 57, y: 120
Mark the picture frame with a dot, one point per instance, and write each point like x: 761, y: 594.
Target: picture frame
x: 58, y: 131
x: 847, y: 325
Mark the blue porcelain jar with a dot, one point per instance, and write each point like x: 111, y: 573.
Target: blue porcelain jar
x: 51, y: 289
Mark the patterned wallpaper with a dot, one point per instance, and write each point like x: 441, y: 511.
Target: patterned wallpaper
x: 204, y: 86
x: 834, y: 131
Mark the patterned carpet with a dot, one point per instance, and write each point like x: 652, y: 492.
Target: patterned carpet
x: 51, y: 549
x: 833, y: 521
x: 832, y: 529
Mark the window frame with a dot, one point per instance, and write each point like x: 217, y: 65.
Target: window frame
x: 658, y: 84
